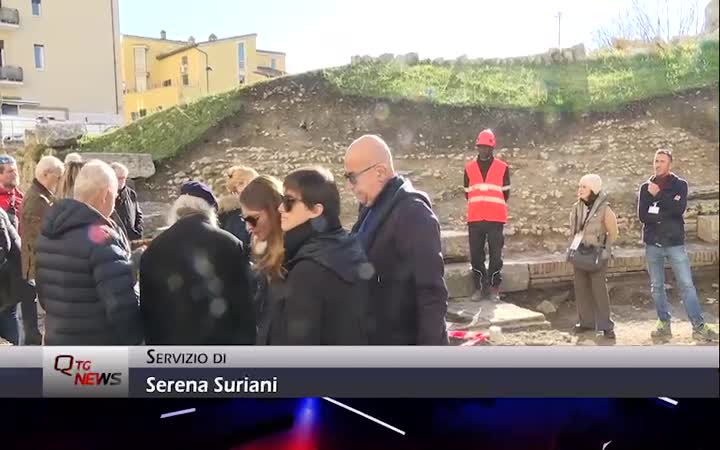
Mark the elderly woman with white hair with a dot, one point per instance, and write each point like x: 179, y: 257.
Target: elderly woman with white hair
x: 595, y: 229
x: 195, y: 278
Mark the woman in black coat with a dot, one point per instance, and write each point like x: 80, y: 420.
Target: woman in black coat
x: 194, y: 279
x: 320, y: 296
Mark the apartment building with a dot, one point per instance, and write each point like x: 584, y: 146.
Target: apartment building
x: 159, y: 72
x: 60, y: 60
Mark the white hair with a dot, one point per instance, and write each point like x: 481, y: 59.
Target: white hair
x: 188, y: 205
x: 93, y: 179
x: 73, y: 157
x: 48, y: 164
x: 120, y: 168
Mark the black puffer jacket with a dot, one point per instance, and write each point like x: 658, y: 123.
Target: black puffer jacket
x: 324, y: 299
x: 85, y: 280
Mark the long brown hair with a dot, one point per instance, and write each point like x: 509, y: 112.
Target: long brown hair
x: 67, y: 185
x: 264, y: 193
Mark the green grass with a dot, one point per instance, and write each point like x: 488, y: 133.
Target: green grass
x: 597, y: 84
x: 603, y: 83
x: 168, y: 133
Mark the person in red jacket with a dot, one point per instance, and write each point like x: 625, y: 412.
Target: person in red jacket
x: 10, y: 196
x: 487, y: 190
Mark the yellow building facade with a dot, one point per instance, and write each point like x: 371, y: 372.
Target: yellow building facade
x: 159, y: 73
x: 60, y: 60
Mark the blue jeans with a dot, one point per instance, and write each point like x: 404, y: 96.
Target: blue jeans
x: 680, y: 264
x: 9, y: 325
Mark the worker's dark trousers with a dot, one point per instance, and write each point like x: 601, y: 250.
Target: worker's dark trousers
x: 492, y: 233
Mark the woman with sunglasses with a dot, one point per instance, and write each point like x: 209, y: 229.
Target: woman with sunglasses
x: 321, y: 296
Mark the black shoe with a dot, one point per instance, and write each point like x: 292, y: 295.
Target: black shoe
x: 609, y: 334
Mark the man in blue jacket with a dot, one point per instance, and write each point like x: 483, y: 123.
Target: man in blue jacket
x: 661, y: 204
x: 401, y: 236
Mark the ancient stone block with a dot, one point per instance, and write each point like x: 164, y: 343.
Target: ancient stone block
x: 140, y: 165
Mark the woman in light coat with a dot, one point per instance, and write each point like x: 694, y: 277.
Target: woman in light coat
x: 594, y: 225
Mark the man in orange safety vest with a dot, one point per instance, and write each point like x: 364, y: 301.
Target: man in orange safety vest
x: 487, y: 189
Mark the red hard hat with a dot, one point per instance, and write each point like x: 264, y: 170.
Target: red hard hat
x: 486, y: 137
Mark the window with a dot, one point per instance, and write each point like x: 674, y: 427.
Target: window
x: 143, y: 112
x: 167, y: 83
x: 39, y: 57
x: 134, y: 115
x: 241, y: 55
x: 184, y: 61
x: 10, y: 110
x: 273, y: 63
x: 36, y: 8
x: 186, y: 80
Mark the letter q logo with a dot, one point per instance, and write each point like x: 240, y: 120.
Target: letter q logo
x: 64, y: 363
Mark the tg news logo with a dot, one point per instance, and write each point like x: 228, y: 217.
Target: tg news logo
x: 81, y: 372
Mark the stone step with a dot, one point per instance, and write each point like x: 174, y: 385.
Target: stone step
x: 482, y: 315
x: 455, y: 246
x: 523, y: 274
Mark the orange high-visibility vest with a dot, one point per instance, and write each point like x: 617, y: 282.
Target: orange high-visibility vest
x: 486, y: 200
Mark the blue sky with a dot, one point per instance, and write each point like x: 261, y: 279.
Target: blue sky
x: 324, y: 33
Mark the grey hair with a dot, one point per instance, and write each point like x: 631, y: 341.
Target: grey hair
x: 73, y: 157
x: 48, y: 164
x: 93, y: 178
x: 188, y: 205
x: 120, y: 168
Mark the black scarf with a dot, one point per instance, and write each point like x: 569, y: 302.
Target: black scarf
x: 295, y: 238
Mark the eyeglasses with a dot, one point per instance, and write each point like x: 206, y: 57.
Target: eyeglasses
x: 352, y: 177
x: 288, y: 202
x: 252, y: 220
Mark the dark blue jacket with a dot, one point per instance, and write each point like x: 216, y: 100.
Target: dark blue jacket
x: 85, y: 279
x: 402, y: 240
x: 667, y: 228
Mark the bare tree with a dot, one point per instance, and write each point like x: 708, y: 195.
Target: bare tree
x: 652, y: 20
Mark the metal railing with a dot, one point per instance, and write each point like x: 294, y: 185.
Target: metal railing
x: 13, y: 129
x: 10, y: 16
x: 11, y: 73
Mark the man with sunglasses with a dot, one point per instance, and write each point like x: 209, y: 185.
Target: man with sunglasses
x: 661, y: 204
x: 401, y: 236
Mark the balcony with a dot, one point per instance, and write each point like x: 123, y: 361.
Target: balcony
x: 11, y: 76
x: 9, y: 19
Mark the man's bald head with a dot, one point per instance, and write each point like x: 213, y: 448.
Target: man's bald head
x: 370, y: 149
x: 368, y: 167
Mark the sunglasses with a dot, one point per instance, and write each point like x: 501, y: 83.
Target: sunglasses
x: 288, y: 202
x: 352, y: 177
x: 667, y: 153
x: 252, y: 220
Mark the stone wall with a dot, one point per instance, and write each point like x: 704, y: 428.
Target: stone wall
x: 552, y: 56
